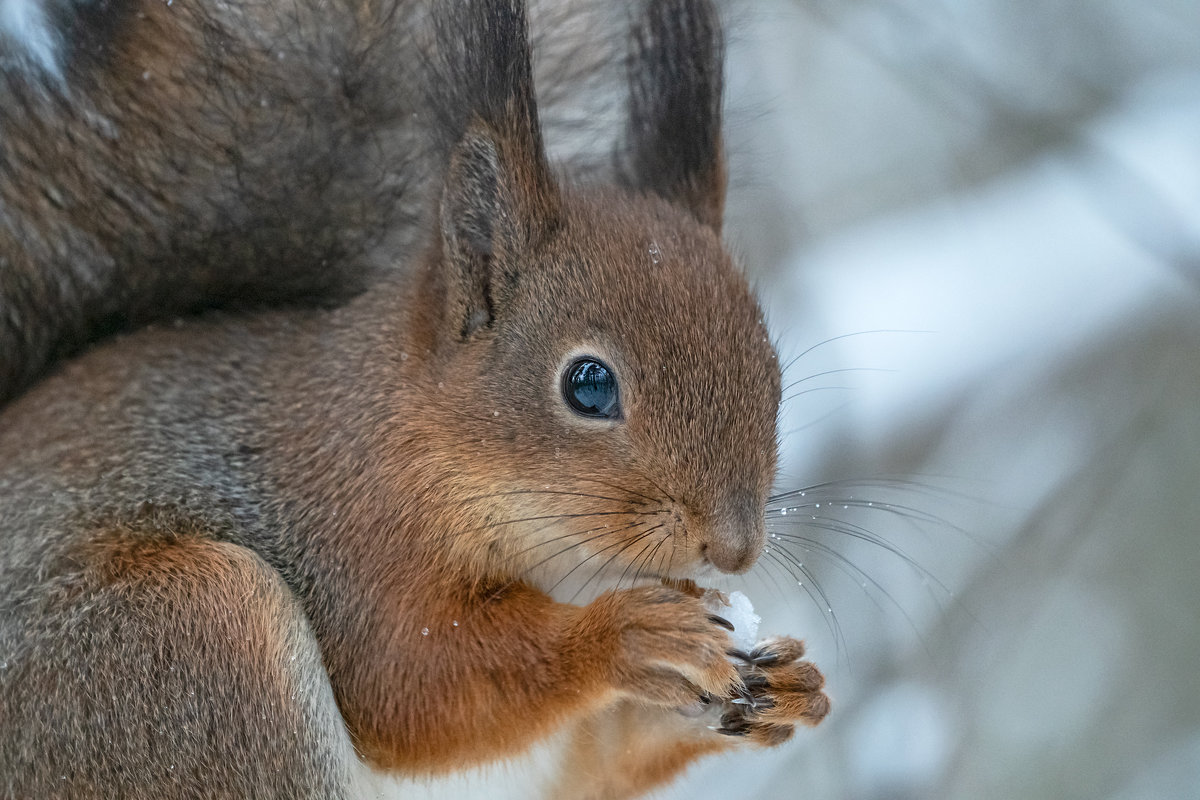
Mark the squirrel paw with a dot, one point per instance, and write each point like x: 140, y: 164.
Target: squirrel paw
x: 670, y: 649
x: 780, y: 690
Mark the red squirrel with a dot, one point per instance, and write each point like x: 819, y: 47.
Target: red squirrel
x: 272, y: 552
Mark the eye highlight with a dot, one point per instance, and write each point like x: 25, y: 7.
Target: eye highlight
x: 589, y: 387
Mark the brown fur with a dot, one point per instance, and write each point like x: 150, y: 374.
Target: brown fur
x: 167, y: 655
x: 397, y: 485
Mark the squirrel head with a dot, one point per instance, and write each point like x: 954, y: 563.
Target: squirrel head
x: 600, y: 377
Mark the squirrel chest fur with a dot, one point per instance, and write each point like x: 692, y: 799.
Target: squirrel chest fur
x: 246, y: 552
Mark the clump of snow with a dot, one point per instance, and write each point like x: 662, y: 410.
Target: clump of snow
x: 738, y: 609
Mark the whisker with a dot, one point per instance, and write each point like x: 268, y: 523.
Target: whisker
x: 584, y: 515
x: 649, y: 559
x: 852, y: 571
x: 823, y: 373
x: 512, y: 492
x: 822, y: 600
x: 832, y: 339
x: 661, y: 489
x: 575, y: 545
x: 907, y: 513
x: 612, y: 558
x: 558, y: 582
x: 795, y: 395
x: 779, y: 592
x: 558, y: 538
x: 635, y: 560
x: 879, y: 481
x: 865, y: 535
x: 604, y: 531
x: 671, y: 561
x: 500, y: 589
x: 619, y: 488
x: 809, y: 584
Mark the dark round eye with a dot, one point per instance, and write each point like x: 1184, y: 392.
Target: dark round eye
x: 590, y: 389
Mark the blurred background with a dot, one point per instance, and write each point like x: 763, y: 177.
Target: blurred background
x: 976, y: 227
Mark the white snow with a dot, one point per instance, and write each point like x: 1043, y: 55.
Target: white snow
x: 737, y: 608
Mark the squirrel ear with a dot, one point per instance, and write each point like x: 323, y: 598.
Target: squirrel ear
x: 499, y: 198
x: 494, y: 210
x: 673, y: 142
x: 470, y: 207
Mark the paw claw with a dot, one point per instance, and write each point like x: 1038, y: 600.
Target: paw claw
x: 724, y: 623
x: 778, y: 691
x: 753, y: 682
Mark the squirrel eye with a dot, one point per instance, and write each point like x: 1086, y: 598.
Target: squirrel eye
x: 590, y: 389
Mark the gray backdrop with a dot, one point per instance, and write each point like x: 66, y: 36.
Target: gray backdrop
x: 1014, y: 185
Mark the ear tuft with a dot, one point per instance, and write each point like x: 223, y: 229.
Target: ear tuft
x: 499, y: 197
x: 673, y: 144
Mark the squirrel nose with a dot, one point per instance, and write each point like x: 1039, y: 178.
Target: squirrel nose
x: 735, y: 542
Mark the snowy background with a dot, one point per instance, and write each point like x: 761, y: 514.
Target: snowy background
x: 1000, y: 200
